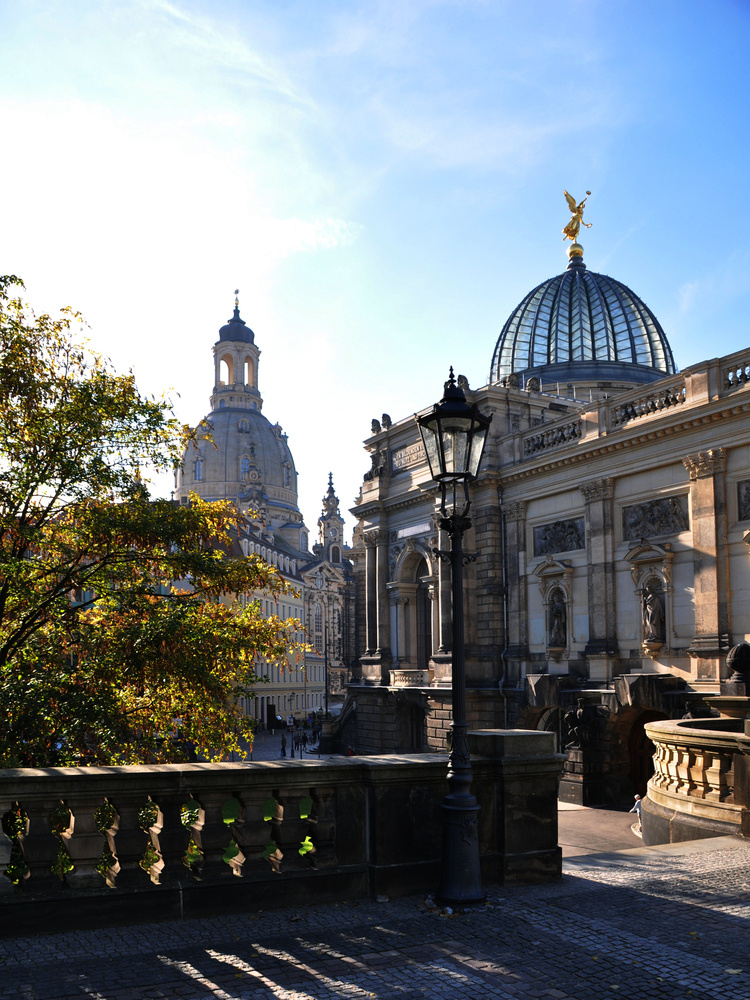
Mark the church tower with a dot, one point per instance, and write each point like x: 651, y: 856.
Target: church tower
x: 237, y: 453
x: 330, y: 527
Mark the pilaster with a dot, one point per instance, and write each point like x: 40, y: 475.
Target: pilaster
x: 601, y: 648
x: 708, y: 506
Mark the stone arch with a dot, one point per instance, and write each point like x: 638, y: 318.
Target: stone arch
x: 226, y: 369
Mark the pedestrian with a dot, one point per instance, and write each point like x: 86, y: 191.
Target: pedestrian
x: 283, y: 745
x: 304, y: 741
x: 637, y: 810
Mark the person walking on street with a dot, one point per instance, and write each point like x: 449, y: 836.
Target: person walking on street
x: 637, y: 810
x: 283, y: 745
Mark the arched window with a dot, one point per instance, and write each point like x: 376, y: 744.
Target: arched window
x: 198, y: 469
x: 335, y: 554
x: 243, y: 426
x: 244, y: 468
x: 248, y: 369
x: 318, y: 628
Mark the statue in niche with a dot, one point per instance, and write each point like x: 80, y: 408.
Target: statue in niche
x: 653, y: 616
x: 744, y: 504
x: 558, y: 621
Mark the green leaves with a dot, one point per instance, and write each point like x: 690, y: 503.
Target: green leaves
x: 121, y: 640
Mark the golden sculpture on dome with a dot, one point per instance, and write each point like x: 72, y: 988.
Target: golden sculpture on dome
x: 574, y: 226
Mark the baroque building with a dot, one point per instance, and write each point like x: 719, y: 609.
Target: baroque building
x: 611, y: 524
x: 238, y: 455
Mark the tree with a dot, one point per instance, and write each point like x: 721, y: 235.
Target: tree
x: 104, y: 657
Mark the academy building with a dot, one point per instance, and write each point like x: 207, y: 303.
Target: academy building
x: 611, y: 523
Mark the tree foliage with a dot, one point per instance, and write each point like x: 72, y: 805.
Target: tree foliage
x: 120, y: 638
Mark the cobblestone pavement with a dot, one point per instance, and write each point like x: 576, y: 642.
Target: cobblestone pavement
x: 668, y: 924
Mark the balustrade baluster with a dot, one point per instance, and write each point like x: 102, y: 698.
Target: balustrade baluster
x: 85, y: 844
x: 40, y: 845
x: 215, y: 834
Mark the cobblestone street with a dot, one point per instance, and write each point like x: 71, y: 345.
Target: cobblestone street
x: 668, y: 923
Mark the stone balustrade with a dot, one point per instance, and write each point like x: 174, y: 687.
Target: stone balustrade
x: 83, y: 846
x: 409, y: 678
x: 737, y: 373
x: 647, y: 402
x: 554, y: 437
x: 692, y: 793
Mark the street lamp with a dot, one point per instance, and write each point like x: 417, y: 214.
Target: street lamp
x: 291, y: 710
x: 454, y: 435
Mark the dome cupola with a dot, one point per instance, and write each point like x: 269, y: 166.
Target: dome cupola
x: 581, y: 326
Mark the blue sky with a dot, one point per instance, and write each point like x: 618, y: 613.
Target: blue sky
x: 383, y: 181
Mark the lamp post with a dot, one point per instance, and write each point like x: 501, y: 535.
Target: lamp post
x: 291, y: 710
x: 454, y: 434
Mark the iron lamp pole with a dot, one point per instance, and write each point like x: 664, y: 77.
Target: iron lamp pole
x: 454, y: 434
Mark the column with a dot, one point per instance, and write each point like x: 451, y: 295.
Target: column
x: 708, y: 509
x: 371, y: 593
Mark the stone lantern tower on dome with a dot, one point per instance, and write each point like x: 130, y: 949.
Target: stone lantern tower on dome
x: 238, y: 454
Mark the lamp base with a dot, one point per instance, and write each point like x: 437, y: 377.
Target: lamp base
x: 461, y: 881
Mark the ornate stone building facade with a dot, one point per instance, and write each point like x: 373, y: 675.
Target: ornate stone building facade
x: 611, y: 523
x: 239, y: 455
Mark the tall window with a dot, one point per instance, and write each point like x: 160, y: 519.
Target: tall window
x: 318, y: 628
x: 244, y: 468
x: 198, y: 469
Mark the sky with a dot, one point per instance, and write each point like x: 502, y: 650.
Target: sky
x: 382, y: 180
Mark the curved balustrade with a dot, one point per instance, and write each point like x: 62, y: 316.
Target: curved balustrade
x: 692, y: 791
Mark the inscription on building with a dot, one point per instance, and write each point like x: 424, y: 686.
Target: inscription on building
x: 406, y: 457
x: 560, y: 536
x: 412, y: 530
x: 666, y: 516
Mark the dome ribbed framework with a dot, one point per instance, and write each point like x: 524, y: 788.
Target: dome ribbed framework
x: 586, y: 325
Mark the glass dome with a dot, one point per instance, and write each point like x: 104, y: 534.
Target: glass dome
x: 582, y: 326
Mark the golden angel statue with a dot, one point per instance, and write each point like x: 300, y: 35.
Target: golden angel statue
x: 573, y: 227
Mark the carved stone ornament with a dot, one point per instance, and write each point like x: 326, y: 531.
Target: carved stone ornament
x: 598, y: 489
x: 743, y: 501
x: 372, y: 537
x: 560, y: 536
x: 705, y: 463
x: 665, y: 516
x: 515, y: 511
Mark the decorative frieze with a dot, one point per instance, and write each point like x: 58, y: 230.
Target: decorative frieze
x: 560, y: 536
x: 705, y: 463
x: 598, y: 489
x: 664, y: 516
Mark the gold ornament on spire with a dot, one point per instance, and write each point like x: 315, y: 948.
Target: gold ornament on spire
x: 236, y: 299
x: 574, y: 226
